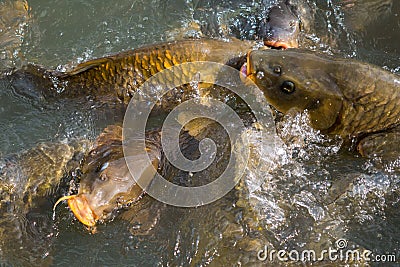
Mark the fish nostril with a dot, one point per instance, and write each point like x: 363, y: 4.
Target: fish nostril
x: 277, y: 69
x: 260, y: 75
x: 103, y: 177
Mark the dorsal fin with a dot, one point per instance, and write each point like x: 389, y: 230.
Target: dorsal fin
x: 88, y: 65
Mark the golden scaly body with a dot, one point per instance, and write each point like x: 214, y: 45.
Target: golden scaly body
x: 371, y: 98
x: 121, y: 75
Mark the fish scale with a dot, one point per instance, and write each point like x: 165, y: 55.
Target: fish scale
x: 118, y: 74
x: 346, y: 97
x: 370, y: 92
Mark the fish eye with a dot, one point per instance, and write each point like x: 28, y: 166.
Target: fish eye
x: 288, y: 87
x: 103, y: 167
x: 277, y: 69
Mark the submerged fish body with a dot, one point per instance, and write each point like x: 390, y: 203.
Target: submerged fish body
x: 360, y: 14
x: 30, y: 182
x: 14, y: 19
x: 343, y: 97
x: 28, y: 177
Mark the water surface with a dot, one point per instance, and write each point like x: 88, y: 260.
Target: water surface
x: 306, y: 195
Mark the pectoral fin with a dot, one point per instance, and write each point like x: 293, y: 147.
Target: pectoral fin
x: 325, y: 112
x: 383, y: 145
x: 143, y: 215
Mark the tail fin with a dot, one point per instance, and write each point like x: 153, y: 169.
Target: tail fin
x: 33, y: 82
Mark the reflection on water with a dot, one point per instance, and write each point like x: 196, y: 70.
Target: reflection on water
x: 304, y: 195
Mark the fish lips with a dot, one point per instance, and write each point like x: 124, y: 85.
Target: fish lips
x: 281, y: 44
x: 249, y: 70
x: 245, y: 70
x: 82, y: 210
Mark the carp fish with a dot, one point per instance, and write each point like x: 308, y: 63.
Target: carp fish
x: 116, y: 78
x: 283, y: 27
x: 30, y: 182
x: 279, y: 25
x: 106, y: 182
x: 343, y: 97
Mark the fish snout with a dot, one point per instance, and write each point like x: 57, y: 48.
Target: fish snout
x: 82, y: 210
x: 282, y: 28
x: 255, y: 69
x: 281, y: 44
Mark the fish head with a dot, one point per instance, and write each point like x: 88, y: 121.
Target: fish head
x: 282, y: 27
x: 107, y: 183
x: 297, y: 80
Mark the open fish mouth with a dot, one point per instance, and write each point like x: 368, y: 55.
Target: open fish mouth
x: 280, y: 44
x: 245, y: 70
x: 80, y: 207
x: 82, y: 211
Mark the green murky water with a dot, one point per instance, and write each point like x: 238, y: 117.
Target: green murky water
x: 305, y: 196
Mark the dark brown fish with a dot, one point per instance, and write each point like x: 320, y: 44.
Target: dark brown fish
x: 277, y: 24
x: 30, y: 182
x: 107, y: 183
x: 283, y: 27
x: 360, y: 14
x: 343, y: 97
x: 28, y: 177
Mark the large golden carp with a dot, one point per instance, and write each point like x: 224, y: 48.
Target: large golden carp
x: 118, y: 77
